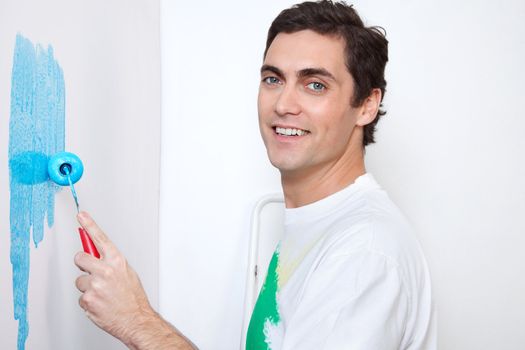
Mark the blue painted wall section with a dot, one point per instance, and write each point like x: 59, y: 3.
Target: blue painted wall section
x: 36, y: 132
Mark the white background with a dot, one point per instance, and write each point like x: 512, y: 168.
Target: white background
x: 449, y: 151
x: 110, y: 54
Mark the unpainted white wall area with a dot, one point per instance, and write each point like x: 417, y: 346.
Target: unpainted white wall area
x: 449, y: 152
x: 213, y: 162
x: 110, y: 54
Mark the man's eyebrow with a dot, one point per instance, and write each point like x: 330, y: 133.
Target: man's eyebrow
x: 273, y: 69
x: 303, y: 73
x: 315, y: 71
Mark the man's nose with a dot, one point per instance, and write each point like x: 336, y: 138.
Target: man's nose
x: 288, y: 101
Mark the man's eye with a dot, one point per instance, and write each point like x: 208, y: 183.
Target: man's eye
x: 271, y: 80
x: 316, y: 86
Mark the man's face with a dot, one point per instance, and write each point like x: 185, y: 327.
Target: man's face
x: 305, y: 114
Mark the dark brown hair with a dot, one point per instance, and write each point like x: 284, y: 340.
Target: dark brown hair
x: 366, y: 47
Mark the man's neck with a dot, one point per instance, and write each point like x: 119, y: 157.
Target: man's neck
x: 306, y: 188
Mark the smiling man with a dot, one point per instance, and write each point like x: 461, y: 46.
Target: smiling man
x: 349, y: 272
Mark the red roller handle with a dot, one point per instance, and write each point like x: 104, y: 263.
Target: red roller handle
x: 87, y: 243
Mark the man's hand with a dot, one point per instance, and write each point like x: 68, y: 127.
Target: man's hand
x: 114, y: 298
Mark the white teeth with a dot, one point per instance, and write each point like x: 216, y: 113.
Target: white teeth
x: 290, y: 132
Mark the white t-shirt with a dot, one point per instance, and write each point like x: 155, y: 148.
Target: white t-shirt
x: 348, y: 274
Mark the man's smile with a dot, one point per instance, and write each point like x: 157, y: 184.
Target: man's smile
x: 290, y: 131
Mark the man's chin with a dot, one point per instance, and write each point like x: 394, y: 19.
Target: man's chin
x: 285, y: 167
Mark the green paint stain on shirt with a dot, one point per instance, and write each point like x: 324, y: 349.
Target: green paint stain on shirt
x: 266, y: 309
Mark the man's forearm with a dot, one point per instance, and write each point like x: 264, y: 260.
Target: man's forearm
x: 154, y: 333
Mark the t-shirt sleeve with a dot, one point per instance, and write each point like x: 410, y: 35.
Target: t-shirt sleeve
x: 351, y: 301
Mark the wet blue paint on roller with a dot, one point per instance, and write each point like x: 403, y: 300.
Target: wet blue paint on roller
x: 36, y: 131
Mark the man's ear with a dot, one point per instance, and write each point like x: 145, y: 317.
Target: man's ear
x: 369, y: 108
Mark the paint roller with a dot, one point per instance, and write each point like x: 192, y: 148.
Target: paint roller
x: 65, y: 169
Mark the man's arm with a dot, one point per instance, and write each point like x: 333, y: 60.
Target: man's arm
x: 156, y: 333
x: 114, y: 299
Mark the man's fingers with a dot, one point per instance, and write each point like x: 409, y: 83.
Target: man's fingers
x: 82, y: 283
x: 90, y: 264
x: 102, y: 242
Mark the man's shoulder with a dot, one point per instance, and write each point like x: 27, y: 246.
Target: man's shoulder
x: 377, y: 227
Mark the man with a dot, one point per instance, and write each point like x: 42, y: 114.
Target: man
x: 348, y: 274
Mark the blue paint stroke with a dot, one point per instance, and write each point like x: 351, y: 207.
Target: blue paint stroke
x: 36, y: 132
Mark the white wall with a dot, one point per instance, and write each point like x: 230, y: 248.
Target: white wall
x: 213, y: 163
x: 449, y: 152
x: 109, y: 52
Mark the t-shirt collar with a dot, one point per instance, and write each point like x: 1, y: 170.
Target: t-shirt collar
x: 326, y: 205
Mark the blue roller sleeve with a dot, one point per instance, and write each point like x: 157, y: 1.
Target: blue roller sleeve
x: 57, y: 165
